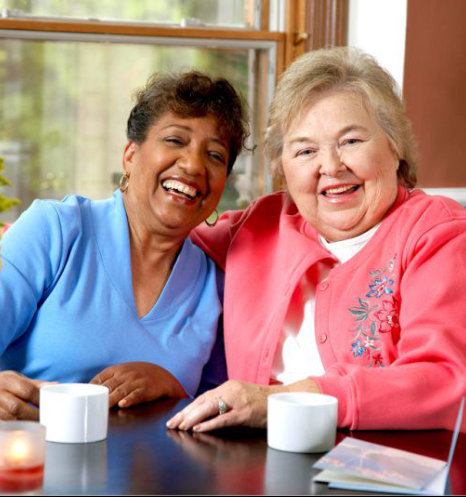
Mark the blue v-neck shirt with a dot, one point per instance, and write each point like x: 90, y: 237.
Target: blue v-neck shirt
x: 67, y: 308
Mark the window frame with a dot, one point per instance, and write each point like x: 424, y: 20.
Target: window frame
x: 19, y: 27
x: 309, y: 25
x: 268, y: 46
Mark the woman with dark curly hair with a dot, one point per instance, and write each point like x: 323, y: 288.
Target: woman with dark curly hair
x: 113, y: 291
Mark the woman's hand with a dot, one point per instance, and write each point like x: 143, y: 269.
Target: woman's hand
x: 246, y: 405
x: 17, y: 393
x: 131, y: 383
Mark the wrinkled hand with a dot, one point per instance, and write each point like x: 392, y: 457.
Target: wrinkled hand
x: 131, y: 383
x: 246, y: 402
x: 247, y: 406
x: 17, y: 393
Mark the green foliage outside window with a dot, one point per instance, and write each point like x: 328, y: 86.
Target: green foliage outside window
x: 5, y: 202
x: 64, y: 104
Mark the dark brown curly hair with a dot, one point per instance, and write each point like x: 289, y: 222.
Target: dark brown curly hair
x: 191, y: 94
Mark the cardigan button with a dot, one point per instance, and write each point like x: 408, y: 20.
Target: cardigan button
x: 323, y: 338
x: 324, y: 285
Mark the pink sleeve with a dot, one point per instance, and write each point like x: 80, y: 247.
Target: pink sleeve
x: 216, y: 240
x: 422, y: 387
x: 5, y: 229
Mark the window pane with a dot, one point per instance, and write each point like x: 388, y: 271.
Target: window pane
x: 235, y: 13
x: 64, y: 105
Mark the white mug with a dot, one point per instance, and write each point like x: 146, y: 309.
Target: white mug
x: 74, y: 412
x: 301, y: 422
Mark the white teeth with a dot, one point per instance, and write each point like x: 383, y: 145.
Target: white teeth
x: 339, y: 189
x: 172, y: 184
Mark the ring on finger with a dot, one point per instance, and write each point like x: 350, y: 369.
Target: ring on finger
x: 222, y: 406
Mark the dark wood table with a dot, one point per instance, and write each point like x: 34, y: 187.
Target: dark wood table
x: 141, y: 456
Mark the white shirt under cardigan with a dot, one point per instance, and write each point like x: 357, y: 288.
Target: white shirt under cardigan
x: 297, y: 356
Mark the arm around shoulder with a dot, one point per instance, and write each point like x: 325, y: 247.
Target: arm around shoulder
x: 215, y: 240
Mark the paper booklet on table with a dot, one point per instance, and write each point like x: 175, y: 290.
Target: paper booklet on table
x: 357, y: 465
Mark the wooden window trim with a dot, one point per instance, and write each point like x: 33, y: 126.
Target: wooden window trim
x: 327, y: 22
x: 265, y: 15
x: 314, y: 24
x: 135, y: 29
x: 310, y: 24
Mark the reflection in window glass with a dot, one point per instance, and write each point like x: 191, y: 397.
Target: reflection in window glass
x: 64, y: 105
x: 214, y: 12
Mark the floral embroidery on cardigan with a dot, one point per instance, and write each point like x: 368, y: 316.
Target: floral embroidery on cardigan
x: 375, y: 314
x: 388, y: 316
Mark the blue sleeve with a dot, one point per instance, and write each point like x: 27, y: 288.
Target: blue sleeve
x: 31, y: 253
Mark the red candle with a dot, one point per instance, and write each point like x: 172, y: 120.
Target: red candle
x: 14, y: 480
x: 22, y: 454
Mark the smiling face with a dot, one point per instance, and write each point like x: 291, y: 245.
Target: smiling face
x: 340, y: 168
x: 176, y: 176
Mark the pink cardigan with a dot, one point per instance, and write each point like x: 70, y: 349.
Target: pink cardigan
x: 390, y: 323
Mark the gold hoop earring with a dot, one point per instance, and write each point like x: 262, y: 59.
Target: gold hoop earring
x: 124, y: 182
x: 211, y: 225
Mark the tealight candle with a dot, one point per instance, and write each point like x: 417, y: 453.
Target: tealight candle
x: 22, y: 455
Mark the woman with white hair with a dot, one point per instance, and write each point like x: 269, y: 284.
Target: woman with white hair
x: 351, y: 282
